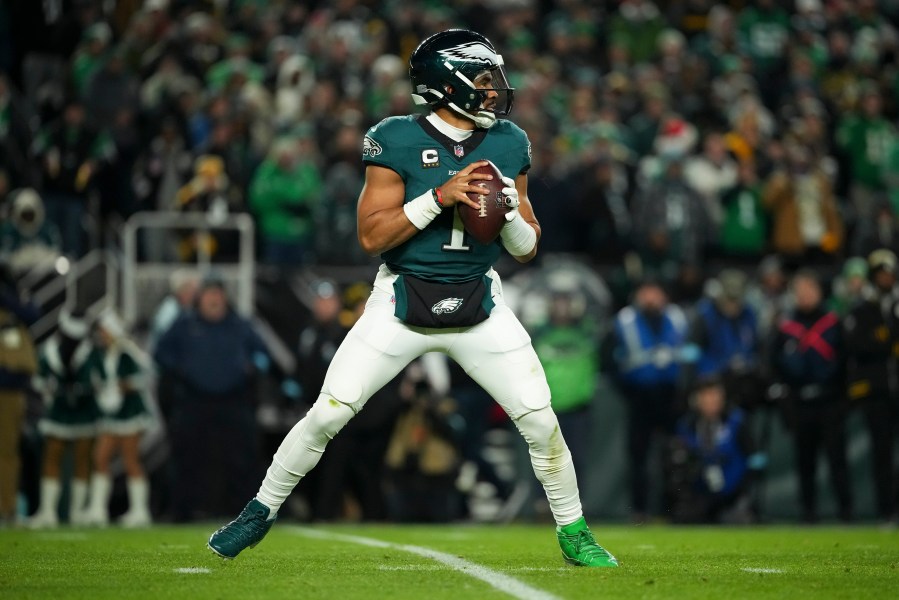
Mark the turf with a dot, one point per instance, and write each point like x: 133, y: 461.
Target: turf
x: 169, y: 562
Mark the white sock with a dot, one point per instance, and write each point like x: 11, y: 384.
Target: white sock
x: 138, y: 496
x: 50, y: 490
x: 276, y: 487
x: 552, y: 464
x: 78, y: 499
x: 301, y: 450
x: 101, y: 488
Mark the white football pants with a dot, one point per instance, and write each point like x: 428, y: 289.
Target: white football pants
x: 496, y: 353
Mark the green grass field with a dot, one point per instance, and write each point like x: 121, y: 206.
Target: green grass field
x: 443, y: 562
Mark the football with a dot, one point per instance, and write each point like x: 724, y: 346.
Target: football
x: 485, y: 222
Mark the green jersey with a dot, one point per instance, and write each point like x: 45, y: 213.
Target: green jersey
x: 866, y: 142
x: 745, y: 228
x: 764, y: 35
x: 571, y: 362
x: 425, y: 159
x: 891, y: 174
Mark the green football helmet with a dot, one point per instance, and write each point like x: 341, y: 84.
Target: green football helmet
x: 445, y: 67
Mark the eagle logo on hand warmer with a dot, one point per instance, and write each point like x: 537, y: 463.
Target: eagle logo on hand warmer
x: 447, y: 305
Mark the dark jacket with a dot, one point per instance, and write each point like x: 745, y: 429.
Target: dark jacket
x: 76, y: 145
x: 870, y: 331
x: 808, y: 355
x: 211, y: 358
x: 727, y: 343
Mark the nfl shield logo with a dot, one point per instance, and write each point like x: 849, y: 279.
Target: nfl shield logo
x: 459, y: 151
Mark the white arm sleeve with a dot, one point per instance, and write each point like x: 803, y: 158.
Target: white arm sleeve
x: 519, y: 238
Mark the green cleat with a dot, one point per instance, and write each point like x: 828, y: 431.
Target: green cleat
x: 245, y: 531
x: 579, y: 547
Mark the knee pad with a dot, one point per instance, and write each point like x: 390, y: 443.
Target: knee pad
x: 540, y: 429
x: 536, y: 396
x: 524, y: 396
x: 345, y: 390
x: 328, y: 416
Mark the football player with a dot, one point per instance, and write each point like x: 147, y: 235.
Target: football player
x: 437, y: 290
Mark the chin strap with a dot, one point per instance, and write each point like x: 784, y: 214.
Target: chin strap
x: 483, y: 118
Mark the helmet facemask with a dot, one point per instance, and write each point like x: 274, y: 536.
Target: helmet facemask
x: 479, y: 104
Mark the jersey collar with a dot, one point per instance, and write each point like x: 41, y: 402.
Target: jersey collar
x: 459, y: 149
x: 450, y: 131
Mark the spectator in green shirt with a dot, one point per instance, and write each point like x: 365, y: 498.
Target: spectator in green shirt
x: 848, y: 286
x: 763, y: 32
x: 90, y: 55
x: 764, y: 29
x: 570, y: 357
x: 744, y: 231
x: 637, y: 26
x: 283, y: 194
x: 864, y: 137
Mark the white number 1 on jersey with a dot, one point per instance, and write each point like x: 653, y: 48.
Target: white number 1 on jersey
x: 457, y: 238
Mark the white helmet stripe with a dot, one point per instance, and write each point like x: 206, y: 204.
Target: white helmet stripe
x: 467, y: 81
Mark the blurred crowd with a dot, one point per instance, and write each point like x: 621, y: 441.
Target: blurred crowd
x: 701, y: 156
x: 674, y: 131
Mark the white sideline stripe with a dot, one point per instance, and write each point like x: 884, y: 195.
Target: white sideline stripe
x: 761, y: 570
x: 192, y: 570
x: 500, y: 581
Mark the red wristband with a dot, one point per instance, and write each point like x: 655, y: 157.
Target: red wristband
x: 438, y: 197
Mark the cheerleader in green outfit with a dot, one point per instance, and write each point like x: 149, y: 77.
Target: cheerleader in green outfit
x: 125, y: 417
x: 70, y: 371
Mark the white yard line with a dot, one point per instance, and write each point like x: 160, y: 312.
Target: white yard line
x: 761, y: 570
x: 411, y: 568
x: 500, y: 581
x: 192, y: 570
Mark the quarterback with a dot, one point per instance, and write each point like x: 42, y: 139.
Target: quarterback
x: 436, y: 289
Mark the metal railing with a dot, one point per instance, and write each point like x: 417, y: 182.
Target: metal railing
x: 145, y: 283
x: 64, y: 289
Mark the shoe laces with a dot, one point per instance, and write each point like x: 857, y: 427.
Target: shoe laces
x: 585, y: 543
x: 248, y: 516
